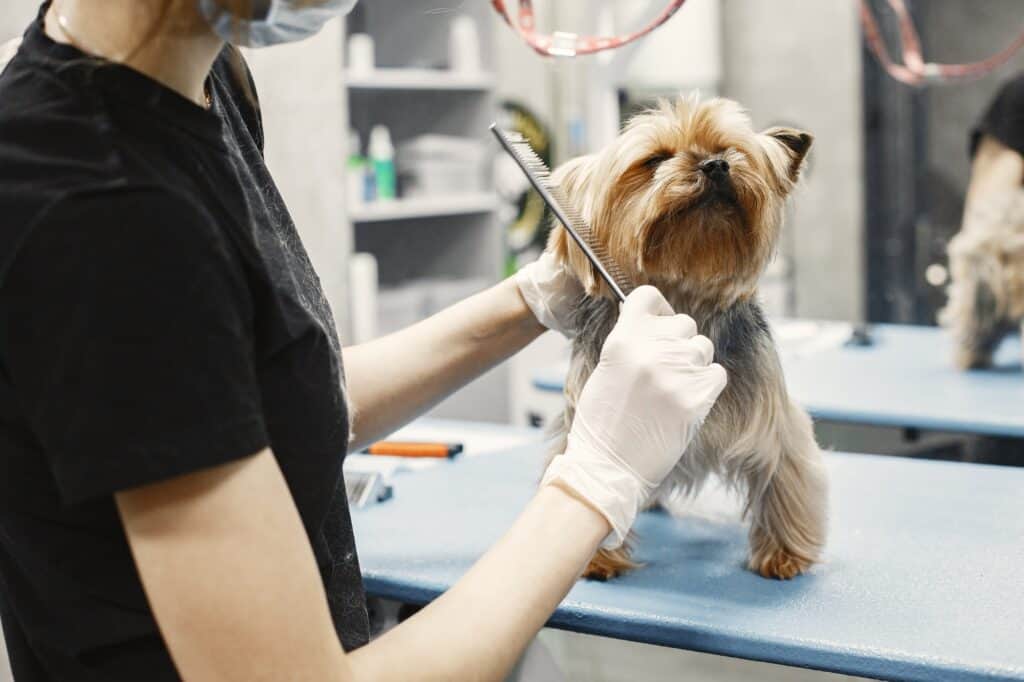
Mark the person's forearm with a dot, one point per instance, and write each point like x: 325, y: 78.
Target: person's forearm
x: 393, y: 379
x: 479, y: 628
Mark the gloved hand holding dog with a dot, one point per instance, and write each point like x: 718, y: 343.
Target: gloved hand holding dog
x: 551, y: 292
x: 654, y: 385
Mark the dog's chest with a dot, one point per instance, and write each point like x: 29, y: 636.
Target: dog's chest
x: 740, y: 334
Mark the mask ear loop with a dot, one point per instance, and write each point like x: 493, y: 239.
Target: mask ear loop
x: 915, y: 71
x: 562, y: 44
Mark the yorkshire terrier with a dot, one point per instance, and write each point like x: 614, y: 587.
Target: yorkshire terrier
x: 689, y: 198
x: 986, y: 293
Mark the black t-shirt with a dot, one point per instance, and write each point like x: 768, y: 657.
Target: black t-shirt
x: 1004, y: 119
x: 158, y: 316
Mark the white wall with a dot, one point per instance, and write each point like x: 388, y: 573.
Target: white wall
x: 686, y: 51
x: 305, y: 123
x: 15, y: 15
x: 799, y: 62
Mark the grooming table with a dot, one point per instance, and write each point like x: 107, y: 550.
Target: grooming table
x: 905, y: 379
x: 923, y: 580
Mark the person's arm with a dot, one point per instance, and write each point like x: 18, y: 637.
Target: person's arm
x: 478, y: 629
x: 230, y: 575
x: 233, y: 584
x: 393, y: 379
x: 232, y: 580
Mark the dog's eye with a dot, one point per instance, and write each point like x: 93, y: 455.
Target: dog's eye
x: 656, y: 160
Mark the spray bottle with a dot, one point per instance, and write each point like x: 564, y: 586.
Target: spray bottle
x: 382, y: 158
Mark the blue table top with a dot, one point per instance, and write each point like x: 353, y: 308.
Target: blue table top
x: 904, y: 379
x: 923, y: 579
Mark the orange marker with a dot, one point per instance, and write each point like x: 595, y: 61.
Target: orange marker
x: 397, y: 448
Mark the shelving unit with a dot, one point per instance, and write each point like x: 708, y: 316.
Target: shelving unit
x: 425, y: 207
x: 455, y: 238
x: 417, y: 79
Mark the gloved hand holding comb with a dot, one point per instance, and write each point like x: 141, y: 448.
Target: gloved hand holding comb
x: 653, y: 387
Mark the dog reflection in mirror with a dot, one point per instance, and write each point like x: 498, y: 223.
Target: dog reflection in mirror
x: 689, y: 198
x: 986, y: 294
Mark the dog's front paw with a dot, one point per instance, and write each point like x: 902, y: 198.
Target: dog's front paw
x: 968, y: 358
x: 771, y: 558
x: 779, y: 564
x: 608, y: 564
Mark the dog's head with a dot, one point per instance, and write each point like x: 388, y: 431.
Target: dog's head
x: 689, y: 195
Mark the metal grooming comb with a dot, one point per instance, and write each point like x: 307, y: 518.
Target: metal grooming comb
x: 537, y: 173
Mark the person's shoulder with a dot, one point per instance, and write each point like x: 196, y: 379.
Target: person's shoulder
x: 45, y: 123
x: 232, y: 71
x: 150, y: 225
x: 149, y: 240
x: 49, y: 146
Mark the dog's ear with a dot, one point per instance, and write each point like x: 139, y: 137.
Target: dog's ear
x: 796, y: 143
x: 573, y: 177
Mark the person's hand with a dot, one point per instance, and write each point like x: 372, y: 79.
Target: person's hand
x: 551, y: 292
x: 651, y: 390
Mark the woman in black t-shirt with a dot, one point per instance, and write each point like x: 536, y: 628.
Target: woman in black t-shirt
x: 173, y: 409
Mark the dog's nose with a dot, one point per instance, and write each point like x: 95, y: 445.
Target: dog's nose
x: 716, y: 169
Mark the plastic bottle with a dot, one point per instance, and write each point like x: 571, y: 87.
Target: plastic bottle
x: 355, y: 171
x: 382, y: 158
x: 464, y: 47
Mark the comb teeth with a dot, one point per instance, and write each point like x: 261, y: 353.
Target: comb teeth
x: 582, y: 228
x: 540, y: 171
x: 534, y: 163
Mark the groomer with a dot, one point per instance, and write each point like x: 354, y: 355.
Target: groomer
x: 173, y: 411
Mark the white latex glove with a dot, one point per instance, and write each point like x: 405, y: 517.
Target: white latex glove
x: 550, y: 291
x: 641, y: 407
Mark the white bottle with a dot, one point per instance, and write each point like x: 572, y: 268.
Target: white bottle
x: 464, y: 47
x: 355, y: 171
x: 382, y: 158
x: 360, y: 54
x: 363, y: 283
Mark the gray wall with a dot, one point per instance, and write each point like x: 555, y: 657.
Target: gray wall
x: 15, y: 16
x: 953, y: 111
x: 798, y: 62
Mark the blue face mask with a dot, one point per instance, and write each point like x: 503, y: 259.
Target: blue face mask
x: 273, y: 21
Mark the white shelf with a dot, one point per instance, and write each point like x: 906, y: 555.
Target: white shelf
x: 418, y: 79
x: 425, y: 207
